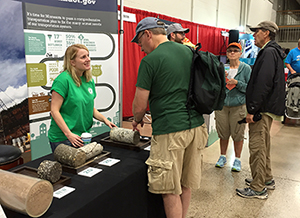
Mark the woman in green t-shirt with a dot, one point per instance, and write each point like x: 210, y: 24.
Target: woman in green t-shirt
x: 72, y: 104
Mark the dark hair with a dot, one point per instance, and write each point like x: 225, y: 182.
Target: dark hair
x: 286, y: 51
x: 271, y: 34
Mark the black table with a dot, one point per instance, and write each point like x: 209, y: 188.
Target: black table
x: 119, y: 191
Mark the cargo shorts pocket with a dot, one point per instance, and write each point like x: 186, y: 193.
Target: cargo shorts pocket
x: 160, y: 175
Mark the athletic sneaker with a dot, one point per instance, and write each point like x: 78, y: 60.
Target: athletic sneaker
x: 221, y: 162
x: 236, y: 165
x: 269, y: 185
x: 249, y: 193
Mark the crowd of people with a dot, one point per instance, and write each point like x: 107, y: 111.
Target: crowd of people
x: 179, y: 136
x: 163, y: 81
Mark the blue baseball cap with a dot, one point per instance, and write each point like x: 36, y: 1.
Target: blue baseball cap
x: 145, y: 24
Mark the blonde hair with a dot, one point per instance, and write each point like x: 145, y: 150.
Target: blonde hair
x: 70, y: 54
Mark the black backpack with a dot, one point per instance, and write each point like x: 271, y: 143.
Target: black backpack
x: 207, y: 83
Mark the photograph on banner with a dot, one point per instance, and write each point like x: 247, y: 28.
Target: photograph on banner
x: 249, y: 49
x: 14, y: 119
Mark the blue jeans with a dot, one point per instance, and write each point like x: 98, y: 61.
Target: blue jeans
x: 55, y: 144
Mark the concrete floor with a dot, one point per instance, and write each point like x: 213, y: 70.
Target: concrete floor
x: 217, y: 197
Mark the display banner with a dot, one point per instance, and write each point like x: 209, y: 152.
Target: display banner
x: 14, y: 118
x: 49, y: 28
x: 96, y: 5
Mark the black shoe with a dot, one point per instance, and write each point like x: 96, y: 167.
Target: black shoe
x: 269, y: 185
x: 249, y: 193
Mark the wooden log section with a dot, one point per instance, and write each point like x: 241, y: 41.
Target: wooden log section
x: 68, y: 155
x: 91, y: 150
x: 50, y: 170
x: 125, y: 135
x: 25, y: 194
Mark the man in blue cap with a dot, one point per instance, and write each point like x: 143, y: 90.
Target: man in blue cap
x: 178, y: 138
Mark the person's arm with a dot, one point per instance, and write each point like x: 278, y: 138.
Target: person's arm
x: 290, y: 68
x: 97, y: 115
x: 139, y: 106
x: 56, y: 103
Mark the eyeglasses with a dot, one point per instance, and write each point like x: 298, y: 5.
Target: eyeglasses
x: 181, y: 33
x: 140, y: 37
x: 235, y: 51
x: 257, y: 30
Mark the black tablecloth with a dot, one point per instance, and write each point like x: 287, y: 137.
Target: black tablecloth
x: 119, y: 191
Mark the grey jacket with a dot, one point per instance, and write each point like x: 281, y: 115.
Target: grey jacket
x: 237, y: 95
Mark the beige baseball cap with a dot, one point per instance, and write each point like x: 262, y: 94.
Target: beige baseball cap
x: 268, y: 25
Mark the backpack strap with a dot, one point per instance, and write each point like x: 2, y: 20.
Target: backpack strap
x: 189, y: 96
x: 192, y: 74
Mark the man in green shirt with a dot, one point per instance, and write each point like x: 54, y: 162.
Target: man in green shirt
x: 174, y: 164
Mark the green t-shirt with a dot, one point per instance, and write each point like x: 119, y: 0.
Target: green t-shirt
x: 77, y: 107
x: 165, y: 72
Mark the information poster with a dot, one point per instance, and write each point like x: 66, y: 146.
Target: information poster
x: 50, y: 26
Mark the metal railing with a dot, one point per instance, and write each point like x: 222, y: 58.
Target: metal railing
x: 288, y: 18
x: 288, y: 34
x: 289, y: 25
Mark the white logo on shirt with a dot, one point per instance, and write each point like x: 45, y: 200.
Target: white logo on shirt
x: 90, y: 90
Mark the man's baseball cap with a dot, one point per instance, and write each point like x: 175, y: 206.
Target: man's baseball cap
x: 145, y: 24
x: 176, y: 27
x: 268, y: 25
x: 235, y: 44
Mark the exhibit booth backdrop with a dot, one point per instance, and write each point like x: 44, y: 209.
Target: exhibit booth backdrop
x: 209, y: 37
x: 44, y: 48
x: 34, y: 37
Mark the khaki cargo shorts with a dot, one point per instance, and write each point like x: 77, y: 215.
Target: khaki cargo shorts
x: 227, y: 122
x: 176, y: 160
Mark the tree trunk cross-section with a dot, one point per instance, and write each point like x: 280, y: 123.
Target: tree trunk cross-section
x: 50, y: 170
x: 91, y: 150
x: 125, y: 135
x: 25, y: 194
x: 70, y: 156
